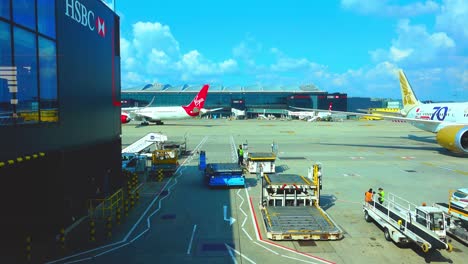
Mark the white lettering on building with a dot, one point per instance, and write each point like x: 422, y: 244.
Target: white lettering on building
x: 78, y: 12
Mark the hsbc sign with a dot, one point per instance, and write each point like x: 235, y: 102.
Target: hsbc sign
x: 77, y: 11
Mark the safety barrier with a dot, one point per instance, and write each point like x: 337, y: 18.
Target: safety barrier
x: 102, y: 208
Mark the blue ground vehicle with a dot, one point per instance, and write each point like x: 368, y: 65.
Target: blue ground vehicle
x: 224, y: 174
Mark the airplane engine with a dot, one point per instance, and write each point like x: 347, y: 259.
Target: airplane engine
x: 454, y: 138
x: 124, y: 118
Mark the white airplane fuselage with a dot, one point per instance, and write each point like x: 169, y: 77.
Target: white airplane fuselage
x: 162, y: 113
x: 446, y: 113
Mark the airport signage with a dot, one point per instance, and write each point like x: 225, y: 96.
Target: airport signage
x: 77, y: 11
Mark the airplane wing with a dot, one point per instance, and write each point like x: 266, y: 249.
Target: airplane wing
x: 204, y: 110
x: 132, y: 109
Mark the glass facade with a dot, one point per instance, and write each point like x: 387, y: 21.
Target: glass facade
x: 260, y: 99
x: 5, y: 9
x: 28, y: 67
x: 24, y: 13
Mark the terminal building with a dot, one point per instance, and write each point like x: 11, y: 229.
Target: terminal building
x: 256, y: 99
x: 59, y: 115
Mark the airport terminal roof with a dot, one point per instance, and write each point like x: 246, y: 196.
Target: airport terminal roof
x: 156, y: 87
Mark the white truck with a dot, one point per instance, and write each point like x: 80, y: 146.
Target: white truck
x: 405, y: 222
x: 457, y: 218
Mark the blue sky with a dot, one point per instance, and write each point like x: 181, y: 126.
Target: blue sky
x: 347, y: 46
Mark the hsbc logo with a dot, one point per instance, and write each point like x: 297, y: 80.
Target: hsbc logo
x: 101, y: 26
x: 78, y: 12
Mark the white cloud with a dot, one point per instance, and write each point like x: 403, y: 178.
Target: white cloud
x: 382, y: 7
x: 454, y: 19
x: 416, y: 45
x: 153, y: 53
x: 397, y: 54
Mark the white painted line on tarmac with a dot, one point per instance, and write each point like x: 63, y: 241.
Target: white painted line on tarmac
x: 230, y: 253
x: 253, y: 219
x: 243, y: 229
x: 297, y: 259
x: 110, y: 250
x: 134, y: 226
x: 257, y: 233
x: 191, y: 240
x: 80, y: 260
x: 85, y: 252
x: 240, y: 254
x: 271, y: 250
x: 240, y: 207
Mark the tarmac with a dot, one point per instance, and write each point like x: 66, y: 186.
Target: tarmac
x: 181, y: 220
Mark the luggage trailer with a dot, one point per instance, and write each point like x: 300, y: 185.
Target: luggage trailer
x: 404, y: 222
x: 261, y: 162
x: 291, y: 211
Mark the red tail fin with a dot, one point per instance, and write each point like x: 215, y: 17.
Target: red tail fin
x: 193, y: 109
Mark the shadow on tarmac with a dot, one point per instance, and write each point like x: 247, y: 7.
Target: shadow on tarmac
x: 281, y: 168
x: 433, y: 256
x: 327, y: 201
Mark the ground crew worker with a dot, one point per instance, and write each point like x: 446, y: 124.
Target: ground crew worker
x: 240, y: 154
x: 381, y: 195
x: 368, y: 197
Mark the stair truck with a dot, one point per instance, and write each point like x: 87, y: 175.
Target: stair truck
x: 457, y: 220
x: 135, y: 157
x: 290, y: 208
x: 404, y: 222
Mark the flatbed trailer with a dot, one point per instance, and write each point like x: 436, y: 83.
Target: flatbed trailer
x: 290, y: 208
x: 224, y: 174
x: 404, y: 222
x: 261, y: 162
x: 457, y: 220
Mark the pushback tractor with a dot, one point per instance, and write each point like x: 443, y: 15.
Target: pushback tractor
x: 221, y: 174
x: 404, y: 222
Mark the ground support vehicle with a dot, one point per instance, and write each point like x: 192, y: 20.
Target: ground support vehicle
x: 137, y: 156
x: 457, y: 220
x: 291, y: 211
x: 263, y: 162
x: 224, y: 174
x: 165, y: 163
x: 404, y: 222
x: 202, y: 161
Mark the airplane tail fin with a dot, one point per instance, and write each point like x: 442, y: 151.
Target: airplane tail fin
x: 407, y: 95
x: 194, y: 108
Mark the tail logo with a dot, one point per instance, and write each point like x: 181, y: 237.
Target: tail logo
x: 407, y: 96
x: 197, y: 101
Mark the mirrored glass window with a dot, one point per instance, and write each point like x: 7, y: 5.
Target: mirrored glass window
x: 48, y: 80
x: 26, y: 67
x: 46, y: 17
x: 5, y: 9
x: 7, y: 74
x: 24, y: 13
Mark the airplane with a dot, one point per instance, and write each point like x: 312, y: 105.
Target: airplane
x: 311, y: 116
x: 158, y: 114
x: 237, y: 113
x: 449, y: 121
